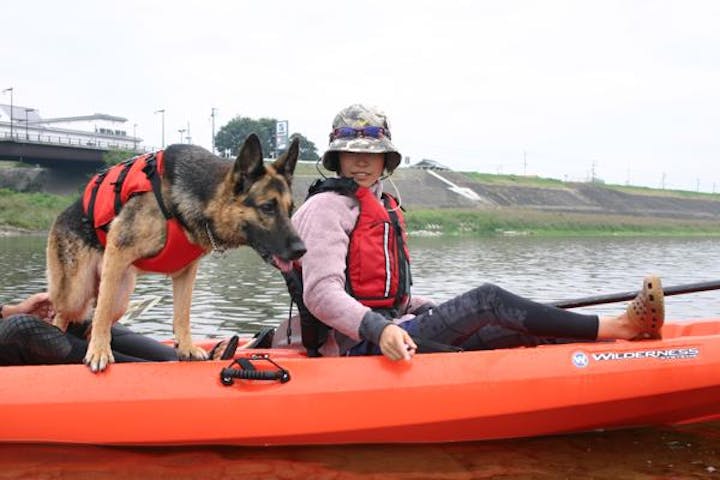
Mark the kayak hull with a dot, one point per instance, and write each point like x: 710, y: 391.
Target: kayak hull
x: 442, y: 397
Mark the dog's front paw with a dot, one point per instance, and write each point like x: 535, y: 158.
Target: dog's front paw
x: 191, y: 353
x: 98, y: 358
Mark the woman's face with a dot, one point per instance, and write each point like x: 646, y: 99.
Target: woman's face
x: 365, y: 168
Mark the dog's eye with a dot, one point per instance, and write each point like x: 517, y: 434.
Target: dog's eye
x: 268, y: 208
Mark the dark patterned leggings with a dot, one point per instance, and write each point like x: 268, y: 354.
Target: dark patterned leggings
x: 28, y: 340
x: 488, y: 317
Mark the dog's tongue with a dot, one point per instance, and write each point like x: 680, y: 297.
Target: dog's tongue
x: 284, y: 265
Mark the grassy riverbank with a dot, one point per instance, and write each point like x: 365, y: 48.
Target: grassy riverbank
x: 511, y: 221
x: 552, y: 183
x: 30, y: 211
x: 34, y: 212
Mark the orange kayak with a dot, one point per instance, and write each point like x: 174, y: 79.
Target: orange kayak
x: 440, y: 397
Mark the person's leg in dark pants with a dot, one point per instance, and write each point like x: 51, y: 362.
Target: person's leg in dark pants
x: 134, y: 344
x: 489, y: 317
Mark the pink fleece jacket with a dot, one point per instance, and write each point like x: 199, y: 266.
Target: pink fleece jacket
x: 324, y: 222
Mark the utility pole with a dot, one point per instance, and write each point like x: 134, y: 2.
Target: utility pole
x: 212, y: 116
x: 10, y: 89
x: 134, y: 137
x: 181, y: 131
x: 162, y: 111
x: 524, y: 163
x: 662, y: 181
x: 189, y: 137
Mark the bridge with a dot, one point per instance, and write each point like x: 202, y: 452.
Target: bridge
x: 51, y: 154
x: 66, y: 165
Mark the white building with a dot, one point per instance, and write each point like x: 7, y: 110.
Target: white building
x: 98, y: 130
x: 426, y: 164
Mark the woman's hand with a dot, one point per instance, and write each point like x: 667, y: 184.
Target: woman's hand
x: 396, y: 344
x: 37, y: 304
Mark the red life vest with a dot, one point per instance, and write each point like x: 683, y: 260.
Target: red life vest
x: 378, y: 262
x: 108, y: 191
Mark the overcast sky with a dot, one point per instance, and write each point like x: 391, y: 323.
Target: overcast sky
x: 550, y: 88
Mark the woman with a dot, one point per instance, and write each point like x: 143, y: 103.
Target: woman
x: 353, y: 284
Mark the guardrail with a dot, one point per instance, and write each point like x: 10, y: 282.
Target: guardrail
x: 65, y: 140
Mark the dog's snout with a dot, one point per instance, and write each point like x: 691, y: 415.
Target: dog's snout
x: 297, y: 249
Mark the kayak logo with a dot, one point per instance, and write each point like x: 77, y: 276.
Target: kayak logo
x: 582, y: 359
x: 665, y: 354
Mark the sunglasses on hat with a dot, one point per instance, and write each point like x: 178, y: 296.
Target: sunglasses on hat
x: 349, y: 132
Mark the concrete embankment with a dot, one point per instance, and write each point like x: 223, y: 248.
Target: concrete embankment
x: 429, y: 189
x: 425, y: 189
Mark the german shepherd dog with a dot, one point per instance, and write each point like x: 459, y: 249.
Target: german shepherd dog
x: 220, y: 205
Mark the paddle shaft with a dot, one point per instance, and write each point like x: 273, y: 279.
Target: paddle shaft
x: 623, y: 296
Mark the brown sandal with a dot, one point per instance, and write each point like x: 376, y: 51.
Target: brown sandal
x: 647, y: 310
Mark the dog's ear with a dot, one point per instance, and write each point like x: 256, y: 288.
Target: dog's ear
x: 249, y: 164
x: 285, y: 164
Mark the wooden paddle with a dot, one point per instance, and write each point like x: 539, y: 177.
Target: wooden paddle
x: 623, y: 296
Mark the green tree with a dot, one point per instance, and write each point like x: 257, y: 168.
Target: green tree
x: 113, y: 157
x: 308, y: 151
x: 232, y: 135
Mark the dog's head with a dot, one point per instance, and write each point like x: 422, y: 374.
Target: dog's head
x: 258, y: 202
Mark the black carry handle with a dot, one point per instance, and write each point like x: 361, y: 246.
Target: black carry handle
x: 247, y: 370
x: 228, y: 374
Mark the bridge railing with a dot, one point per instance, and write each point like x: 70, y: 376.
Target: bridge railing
x: 69, y: 140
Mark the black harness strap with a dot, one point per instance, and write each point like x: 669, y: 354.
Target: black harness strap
x: 314, y: 332
x: 150, y: 170
x: 91, y: 204
x: 118, y: 184
x: 405, y: 277
x: 342, y: 185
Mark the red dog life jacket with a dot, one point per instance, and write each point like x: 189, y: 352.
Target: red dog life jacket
x: 108, y: 191
x: 378, y: 262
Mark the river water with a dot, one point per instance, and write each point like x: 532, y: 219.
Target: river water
x: 238, y: 293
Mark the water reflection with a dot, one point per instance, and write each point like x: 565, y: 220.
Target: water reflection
x: 682, y: 453
x: 237, y: 292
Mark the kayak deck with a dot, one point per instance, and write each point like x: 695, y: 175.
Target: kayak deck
x: 441, y: 397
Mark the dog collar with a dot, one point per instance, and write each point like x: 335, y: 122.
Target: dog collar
x: 215, y: 247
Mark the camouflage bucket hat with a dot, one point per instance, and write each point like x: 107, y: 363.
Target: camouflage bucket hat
x: 362, y: 129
